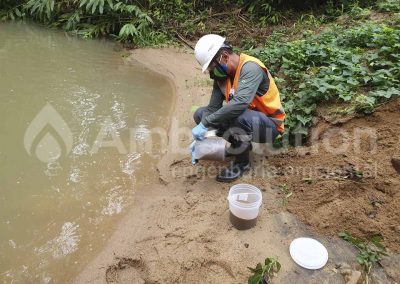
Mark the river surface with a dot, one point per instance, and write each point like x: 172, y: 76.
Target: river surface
x: 75, y: 121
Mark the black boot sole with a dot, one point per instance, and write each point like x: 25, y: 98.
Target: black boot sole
x: 219, y: 179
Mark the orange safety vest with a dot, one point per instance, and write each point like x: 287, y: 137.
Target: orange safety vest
x: 269, y: 103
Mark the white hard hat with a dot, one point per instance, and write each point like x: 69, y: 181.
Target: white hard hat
x: 206, y: 48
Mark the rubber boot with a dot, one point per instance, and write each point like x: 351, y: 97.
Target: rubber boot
x: 240, y: 165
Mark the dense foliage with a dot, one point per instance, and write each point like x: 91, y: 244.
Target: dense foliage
x: 149, y: 22
x: 89, y: 18
x: 359, y: 66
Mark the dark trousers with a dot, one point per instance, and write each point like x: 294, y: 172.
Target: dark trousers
x: 251, y: 125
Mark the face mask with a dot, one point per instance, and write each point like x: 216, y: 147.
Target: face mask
x: 219, y: 73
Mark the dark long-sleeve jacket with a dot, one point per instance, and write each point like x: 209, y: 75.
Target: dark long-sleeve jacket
x: 252, y: 81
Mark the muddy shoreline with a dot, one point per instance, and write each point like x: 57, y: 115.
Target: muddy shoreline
x: 178, y: 230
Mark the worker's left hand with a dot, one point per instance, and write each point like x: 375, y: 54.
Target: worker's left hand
x: 199, y: 131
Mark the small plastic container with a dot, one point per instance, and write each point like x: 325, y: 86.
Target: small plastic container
x: 244, y: 205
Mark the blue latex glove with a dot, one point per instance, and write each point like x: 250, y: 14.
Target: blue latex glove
x: 199, y: 131
x: 191, y: 149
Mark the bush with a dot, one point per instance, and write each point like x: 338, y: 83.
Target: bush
x: 358, y: 66
x: 90, y: 18
x: 151, y: 22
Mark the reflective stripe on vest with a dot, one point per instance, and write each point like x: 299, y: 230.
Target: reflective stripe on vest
x: 269, y: 103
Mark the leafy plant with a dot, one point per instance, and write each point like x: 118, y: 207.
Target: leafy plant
x: 286, y: 193
x: 123, y: 19
x: 263, y: 273
x: 369, y: 252
x: 364, y: 104
x: 40, y: 9
x: 389, y: 5
x: 357, y: 66
x: 358, y: 13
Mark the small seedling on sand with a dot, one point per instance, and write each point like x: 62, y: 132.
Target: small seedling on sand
x: 286, y: 193
x: 263, y: 273
x: 308, y: 180
x: 359, y: 174
x: 369, y: 251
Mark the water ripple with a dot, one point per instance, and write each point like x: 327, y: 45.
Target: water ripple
x: 118, y: 110
x: 114, y: 201
x: 128, y: 164
x: 65, y: 243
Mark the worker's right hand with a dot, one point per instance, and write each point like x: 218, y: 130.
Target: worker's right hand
x: 199, y: 131
x: 191, y: 149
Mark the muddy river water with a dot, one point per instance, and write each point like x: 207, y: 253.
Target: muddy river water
x: 73, y: 116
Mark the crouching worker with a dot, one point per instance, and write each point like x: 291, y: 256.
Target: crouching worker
x: 252, y: 111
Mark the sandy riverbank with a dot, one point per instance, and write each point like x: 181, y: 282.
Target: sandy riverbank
x: 178, y: 231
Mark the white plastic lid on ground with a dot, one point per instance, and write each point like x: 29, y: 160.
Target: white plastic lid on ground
x: 308, y: 253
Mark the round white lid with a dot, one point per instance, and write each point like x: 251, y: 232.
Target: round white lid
x: 308, y: 253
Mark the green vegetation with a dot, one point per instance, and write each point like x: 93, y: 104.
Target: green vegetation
x: 358, y: 66
x: 155, y: 22
x: 308, y: 180
x: 354, y: 64
x: 263, y: 273
x: 369, y: 252
x: 123, y: 20
x: 284, y: 189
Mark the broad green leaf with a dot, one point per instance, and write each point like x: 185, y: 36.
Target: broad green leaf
x: 17, y: 12
x: 278, y: 266
x: 82, y: 3
x: 304, y: 120
x: 101, y: 6
x: 255, y: 279
x: 95, y: 5
x: 110, y: 3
